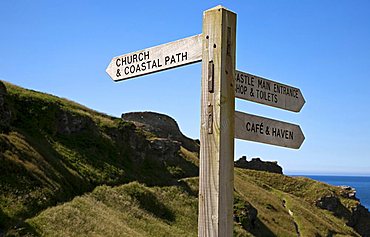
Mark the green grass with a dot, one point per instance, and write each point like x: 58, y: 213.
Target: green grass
x: 137, y: 210
x: 30, y: 96
x: 127, y: 210
x: 267, y: 192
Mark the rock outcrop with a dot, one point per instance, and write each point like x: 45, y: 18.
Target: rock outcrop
x: 358, y: 217
x: 329, y: 202
x: 360, y: 220
x: 348, y: 192
x: 70, y: 123
x: 245, y: 214
x: 258, y: 164
x: 162, y: 126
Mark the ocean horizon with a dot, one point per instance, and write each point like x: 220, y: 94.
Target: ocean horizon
x: 360, y: 183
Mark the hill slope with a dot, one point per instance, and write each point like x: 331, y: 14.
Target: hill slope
x: 67, y: 170
x: 136, y: 210
x: 52, y: 150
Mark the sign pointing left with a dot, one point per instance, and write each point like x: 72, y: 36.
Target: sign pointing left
x: 174, y: 54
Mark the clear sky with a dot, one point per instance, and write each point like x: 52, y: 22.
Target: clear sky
x: 319, y: 46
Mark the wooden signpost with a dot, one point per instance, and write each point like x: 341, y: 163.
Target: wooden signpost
x: 216, y: 171
x: 220, y: 123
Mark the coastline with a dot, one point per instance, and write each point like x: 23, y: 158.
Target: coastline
x: 360, y: 183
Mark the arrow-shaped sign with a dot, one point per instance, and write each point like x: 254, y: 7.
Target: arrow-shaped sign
x: 155, y: 59
x: 264, y: 91
x: 259, y: 129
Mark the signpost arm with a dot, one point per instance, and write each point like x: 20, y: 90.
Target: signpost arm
x: 216, y: 179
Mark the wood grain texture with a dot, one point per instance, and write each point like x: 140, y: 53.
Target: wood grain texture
x: 162, y: 57
x: 269, y: 131
x: 264, y: 91
x: 216, y: 179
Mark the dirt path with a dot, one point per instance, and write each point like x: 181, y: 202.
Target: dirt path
x: 292, y: 215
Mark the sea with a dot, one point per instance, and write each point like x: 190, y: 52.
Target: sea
x: 360, y: 183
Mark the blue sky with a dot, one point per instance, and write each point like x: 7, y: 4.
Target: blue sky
x: 321, y: 47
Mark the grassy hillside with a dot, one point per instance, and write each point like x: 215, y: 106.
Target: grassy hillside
x: 67, y: 170
x: 286, y: 205
x: 137, y: 210
x: 53, y: 149
x: 128, y: 210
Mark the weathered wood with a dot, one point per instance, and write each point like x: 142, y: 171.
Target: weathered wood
x: 264, y: 91
x: 259, y: 129
x: 174, y: 54
x: 216, y: 178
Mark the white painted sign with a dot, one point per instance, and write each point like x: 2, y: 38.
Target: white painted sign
x: 264, y: 91
x: 155, y: 59
x: 259, y: 129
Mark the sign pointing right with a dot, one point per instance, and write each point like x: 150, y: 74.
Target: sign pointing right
x: 259, y: 129
x: 264, y: 91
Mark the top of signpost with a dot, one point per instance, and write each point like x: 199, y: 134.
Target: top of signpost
x: 218, y: 7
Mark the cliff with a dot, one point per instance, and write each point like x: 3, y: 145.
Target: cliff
x: 67, y: 170
x: 162, y: 126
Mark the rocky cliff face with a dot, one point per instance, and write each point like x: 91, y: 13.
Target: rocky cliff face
x: 258, y: 164
x: 162, y: 126
x: 358, y: 217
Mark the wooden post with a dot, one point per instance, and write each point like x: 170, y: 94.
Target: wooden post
x: 216, y: 179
